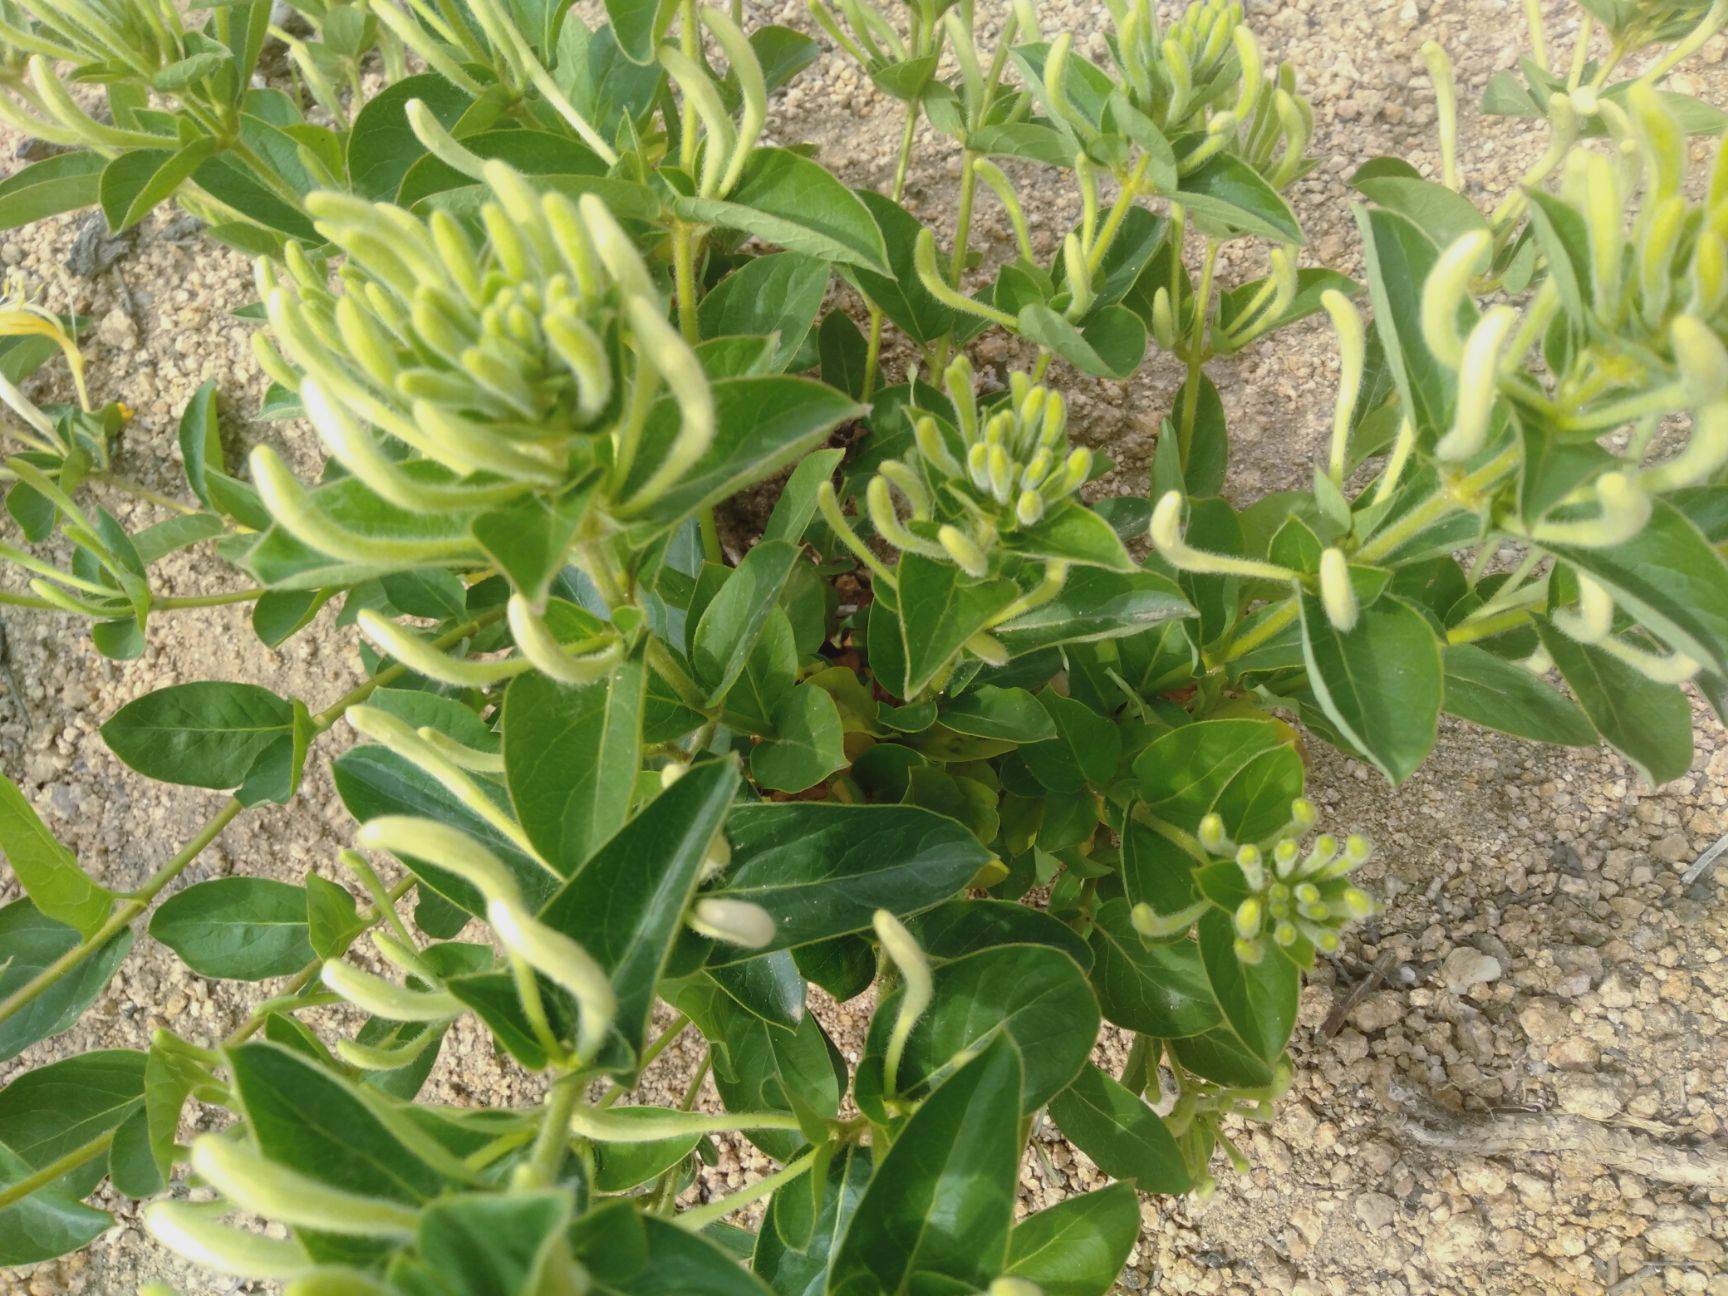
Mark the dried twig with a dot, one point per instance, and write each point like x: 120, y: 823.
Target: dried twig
x: 1363, y: 988
x: 1704, y: 861
x: 1515, y: 1134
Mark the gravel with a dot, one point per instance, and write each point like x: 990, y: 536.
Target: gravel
x: 1544, y: 953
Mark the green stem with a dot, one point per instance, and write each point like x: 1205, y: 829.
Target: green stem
x: 206, y: 600
x: 873, y: 354
x: 12, y: 599
x: 1117, y: 214
x: 553, y: 1140
x: 1196, y: 354
x: 1488, y: 627
x: 684, y: 272
x: 54, y: 1169
x: 674, y: 1029
x: 700, y: 1217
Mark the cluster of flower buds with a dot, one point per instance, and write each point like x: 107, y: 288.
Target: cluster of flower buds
x: 1006, y: 469
x: 1205, y: 72
x: 1295, y: 901
x: 1636, y: 23
x: 513, y: 364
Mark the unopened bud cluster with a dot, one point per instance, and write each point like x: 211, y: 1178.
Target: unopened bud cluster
x: 1205, y: 73
x: 1298, y: 899
x: 1009, y: 466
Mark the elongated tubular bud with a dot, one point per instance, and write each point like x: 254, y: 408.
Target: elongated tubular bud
x: 562, y: 961
x: 880, y: 505
x: 582, y: 351
x: 1166, y: 532
x: 540, y: 646
x: 1001, y: 470
x: 1056, y: 85
x: 1079, y: 278
x: 1659, y: 668
x: 371, y: 1057
x: 449, y: 848
x: 1284, y: 860
x: 415, y: 37
x: 614, y: 248
x: 978, y: 465
x: 736, y: 922
x: 701, y: 94
x: 660, y: 346
x: 1594, y: 620
x: 440, y: 142
x: 1597, y: 183
x: 1181, y: 74
x: 1296, y: 122
x: 1337, y: 595
x: 1212, y: 835
x: 522, y: 207
x: 1667, y: 221
x: 455, y: 439
x: 634, y: 1125
x: 1446, y: 108
x: 419, y: 656
x: 262, y: 1187
x: 917, y: 987
x: 1252, y: 864
x: 353, y: 447
x: 964, y: 550
x: 1029, y: 508
x: 910, y: 485
x: 1708, y: 276
x: 934, y: 448
x: 1302, y: 814
x: 957, y: 380
x: 1248, y: 917
x: 1662, y: 140
x: 1478, y: 385
x: 385, y: 999
x: 193, y: 1232
x: 924, y: 262
x: 752, y: 91
x: 1352, y: 353
x: 1253, y: 72
x: 1003, y: 187
x: 57, y: 101
x: 367, y: 344
x: 1625, y: 508
x: 1007, y: 1285
x: 1163, y: 319
x: 1156, y: 926
x: 293, y: 507
x: 398, y: 954
x: 1445, y: 290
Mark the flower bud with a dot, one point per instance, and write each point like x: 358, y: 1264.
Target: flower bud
x: 1443, y: 294
x: 737, y: 922
x: 1337, y: 594
x: 964, y: 550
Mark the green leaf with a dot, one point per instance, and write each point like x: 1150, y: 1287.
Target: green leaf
x: 897, y: 288
x: 1223, y: 765
x: 571, y: 753
x: 786, y: 199
x: 1226, y: 191
x: 131, y: 1166
x: 1650, y: 724
x: 236, y: 928
x: 621, y: 1166
x: 1091, y: 744
x: 1078, y: 1246
x: 940, y: 609
x: 1034, y: 994
x: 29, y: 944
x: 381, y: 144
x: 802, y: 1270
x: 821, y: 869
x: 56, y: 1109
x: 1110, y: 345
x: 797, y: 503
x: 1670, y: 579
x: 761, y: 425
x: 46, y: 870
x: 308, y: 1120
x: 761, y: 1067
x: 602, y: 82
x: 964, y: 926
x: 637, y: 25
x: 729, y: 627
x: 57, y: 184
x: 626, y: 905
x: 777, y: 294
x: 936, y: 1215
x: 372, y: 781
x: 806, y: 744
x: 1007, y: 714
x: 1442, y: 214
x: 47, y: 1223
x: 529, y: 539
x: 679, y: 1263
x: 1095, y: 604
x: 1157, y: 989
x: 136, y: 181
x: 769, y: 987
x: 1399, y: 257
x: 1380, y: 683
x: 332, y: 917
x: 1501, y: 695
x: 494, y: 1242
x: 1075, y: 534
x: 1259, y: 999
x: 843, y: 353
x: 204, y: 734
x: 1124, y: 1137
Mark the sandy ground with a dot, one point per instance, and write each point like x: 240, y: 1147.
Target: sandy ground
x: 1542, y: 958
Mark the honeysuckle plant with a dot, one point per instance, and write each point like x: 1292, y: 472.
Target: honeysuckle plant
x: 641, y: 758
